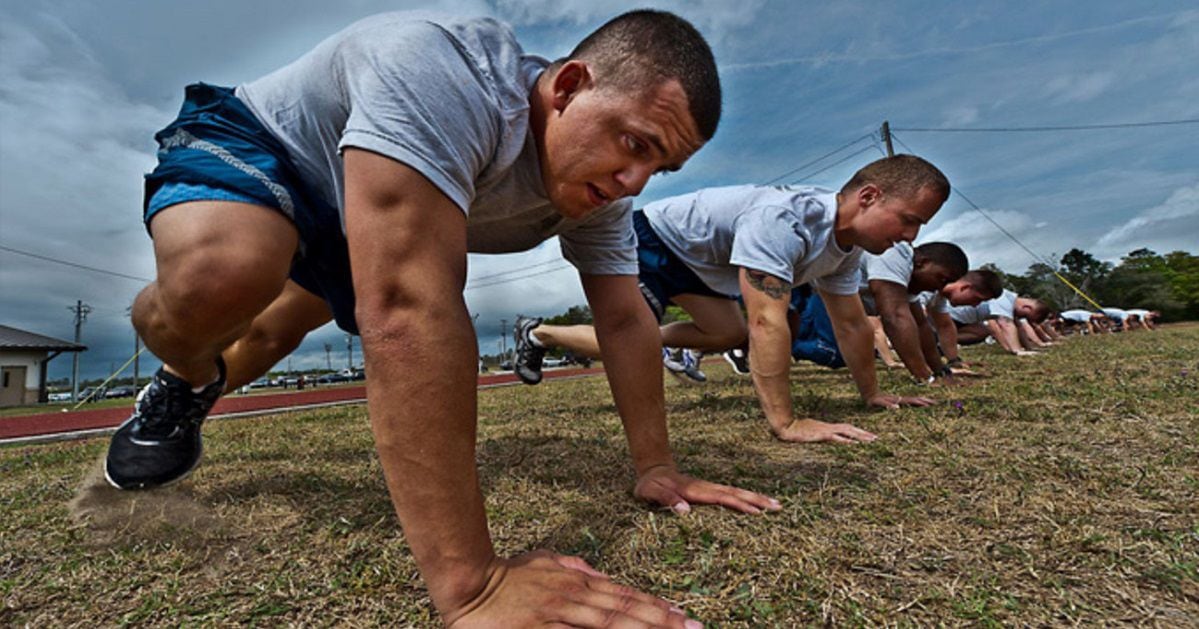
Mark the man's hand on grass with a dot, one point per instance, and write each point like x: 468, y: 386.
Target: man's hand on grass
x: 541, y: 587
x: 812, y: 431
x: 668, y: 487
x: 966, y: 372
x: 883, y: 400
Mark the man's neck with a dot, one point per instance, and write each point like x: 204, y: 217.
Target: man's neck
x: 843, y: 232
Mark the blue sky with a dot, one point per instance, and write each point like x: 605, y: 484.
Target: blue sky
x: 84, y: 85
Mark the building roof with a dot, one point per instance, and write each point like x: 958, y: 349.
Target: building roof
x: 12, y: 338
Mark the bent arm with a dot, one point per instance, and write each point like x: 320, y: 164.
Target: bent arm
x: 1004, y: 332
x: 928, y: 340
x: 853, y: 333
x: 631, y: 348
x: 947, y: 335
x: 892, y: 301
x: 766, y: 298
x: 408, y: 250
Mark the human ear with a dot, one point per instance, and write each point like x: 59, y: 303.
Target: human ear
x: 573, y: 77
x: 869, y: 194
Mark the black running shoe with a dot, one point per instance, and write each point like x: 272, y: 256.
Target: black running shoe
x: 527, y: 364
x: 738, y: 359
x: 160, y: 443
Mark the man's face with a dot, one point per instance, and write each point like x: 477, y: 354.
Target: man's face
x: 887, y: 219
x: 601, y: 144
x: 963, y: 293
x: 929, y: 276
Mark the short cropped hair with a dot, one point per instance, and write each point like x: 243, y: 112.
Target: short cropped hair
x: 945, y: 255
x: 902, y: 175
x: 1040, y: 311
x: 987, y: 283
x: 644, y: 48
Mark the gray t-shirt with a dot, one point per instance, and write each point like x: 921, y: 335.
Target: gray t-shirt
x: 1115, y: 314
x: 1001, y: 306
x: 449, y: 97
x: 894, y: 265
x: 786, y: 231
x: 933, y: 301
x: 1077, y: 316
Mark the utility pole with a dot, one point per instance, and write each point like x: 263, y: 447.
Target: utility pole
x: 329, y: 356
x: 350, y: 352
x: 81, y: 310
x: 503, y: 337
x: 886, y: 133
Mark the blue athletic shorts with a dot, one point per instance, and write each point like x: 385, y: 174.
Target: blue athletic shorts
x: 217, y: 150
x: 662, y: 274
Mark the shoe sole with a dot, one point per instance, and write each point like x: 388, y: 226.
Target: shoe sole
x: 169, y: 483
x: 685, y: 379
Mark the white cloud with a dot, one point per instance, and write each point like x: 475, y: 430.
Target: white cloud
x: 983, y: 242
x: 1172, y: 225
x: 1073, y: 89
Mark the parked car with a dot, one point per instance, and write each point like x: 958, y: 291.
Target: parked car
x: 119, y: 392
x: 61, y: 396
x: 92, y: 394
x: 260, y: 383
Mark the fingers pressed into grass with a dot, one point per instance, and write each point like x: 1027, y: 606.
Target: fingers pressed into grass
x: 577, y: 563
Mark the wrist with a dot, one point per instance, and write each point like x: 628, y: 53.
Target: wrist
x: 643, y: 469
x: 457, y: 591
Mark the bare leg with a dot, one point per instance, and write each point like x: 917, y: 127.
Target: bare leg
x: 717, y: 324
x: 274, y: 334
x: 579, y: 339
x: 219, y: 264
x: 972, y: 333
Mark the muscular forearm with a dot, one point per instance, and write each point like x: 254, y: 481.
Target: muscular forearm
x: 947, y: 336
x: 853, y: 338
x: 1005, y: 333
x: 631, y: 350
x: 901, y: 329
x: 421, y: 391
x: 769, y: 344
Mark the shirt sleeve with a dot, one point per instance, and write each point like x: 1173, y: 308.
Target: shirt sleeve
x: 417, y: 98
x: 845, y: 280
x: 604, y: 243
x: 893, y: 265
x: 769, y: 240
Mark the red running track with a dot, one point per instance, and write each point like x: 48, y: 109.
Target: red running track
x: 55, y: 423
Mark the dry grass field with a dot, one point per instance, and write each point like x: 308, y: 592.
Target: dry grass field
x: 1062, y: 490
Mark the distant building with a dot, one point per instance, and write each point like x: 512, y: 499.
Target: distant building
x: 23, y: 359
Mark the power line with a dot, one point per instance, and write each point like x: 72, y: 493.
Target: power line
x: 1082, y: 127
x: 818, y: 159
x: 482, y: 278
x: 1030, y: 252
x: 836, y: 163
x: 74, y: 264
x: 564, y: 265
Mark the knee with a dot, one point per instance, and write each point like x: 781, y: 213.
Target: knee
x: 205, y: 291
x: 267, y: 342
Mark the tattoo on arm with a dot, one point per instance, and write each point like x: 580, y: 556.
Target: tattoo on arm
x: 769, y: 284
